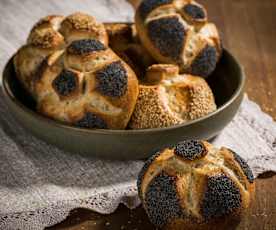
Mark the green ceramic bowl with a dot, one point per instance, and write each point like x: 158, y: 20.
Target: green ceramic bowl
x: 227, y: 83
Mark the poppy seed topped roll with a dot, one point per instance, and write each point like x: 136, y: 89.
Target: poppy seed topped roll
x: 194, y: 185
x: 87, y: 86
x: 178, y: 32
x: 50, y: 34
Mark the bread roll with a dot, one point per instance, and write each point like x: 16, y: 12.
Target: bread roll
x: 178, y: 32
x: 194, y: 185
x: 171, y: 98
x: 50, y: 34
x: 87, y: 86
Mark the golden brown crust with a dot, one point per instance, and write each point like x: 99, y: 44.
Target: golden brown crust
x: 83, y: 26
x: 170, y: 98
x: 43, y: 40
x: 234, y: 165
x: 88, y: 86
x: 50, y: 34
x: 212, y: 189
x: 176, y: 31
x: 45, y: 33
x: 28, y: 63
x: 202, y: 100
x: 150, y: 111
x: 120, y: 35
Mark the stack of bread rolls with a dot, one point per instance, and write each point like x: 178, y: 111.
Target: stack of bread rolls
x: 120, y: 75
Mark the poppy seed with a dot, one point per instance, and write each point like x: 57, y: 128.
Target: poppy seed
x: 190, y: 150
x: 112, y: 80
x: 168, y: 35
x: 65, y: 83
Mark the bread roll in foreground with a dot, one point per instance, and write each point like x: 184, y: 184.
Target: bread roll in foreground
x: 170, y: 98
x: 178, y: 32
x: 195, y: 186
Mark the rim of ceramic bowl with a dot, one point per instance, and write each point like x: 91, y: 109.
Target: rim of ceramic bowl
x: 8, y: 93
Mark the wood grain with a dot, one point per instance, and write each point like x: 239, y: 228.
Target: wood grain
x: 248, y: 29
x: 262, y: 215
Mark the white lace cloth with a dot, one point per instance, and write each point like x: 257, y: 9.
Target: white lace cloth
x: 40, y: 184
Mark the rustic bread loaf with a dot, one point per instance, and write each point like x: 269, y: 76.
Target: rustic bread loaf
x: 88, y: 86
x: 178, y: 32
x: 170, y: 98
x: 195, y: 186
x: 50, y: 34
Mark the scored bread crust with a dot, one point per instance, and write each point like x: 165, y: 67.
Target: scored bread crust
x: 124, y: 42
x: 87, y: 86
x: 53, y: 33
x: 171, y: 98
x: 211, y: 186
x: 43, y: 40
x: 171, y: 35
x: 79, y: 26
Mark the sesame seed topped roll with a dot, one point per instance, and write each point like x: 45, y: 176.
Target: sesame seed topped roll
x: 123, y: 41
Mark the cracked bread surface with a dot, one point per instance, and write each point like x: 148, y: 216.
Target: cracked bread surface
x: 123, y: 40
x: 51, y: 34
x: 87, y: 86
x: 170, y: 98
x: 79, y: 26
x: 211, y: 188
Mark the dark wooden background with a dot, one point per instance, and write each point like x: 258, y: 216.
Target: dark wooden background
x: 248, y: 30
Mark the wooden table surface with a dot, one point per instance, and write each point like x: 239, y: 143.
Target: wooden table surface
x: 248, y: 29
